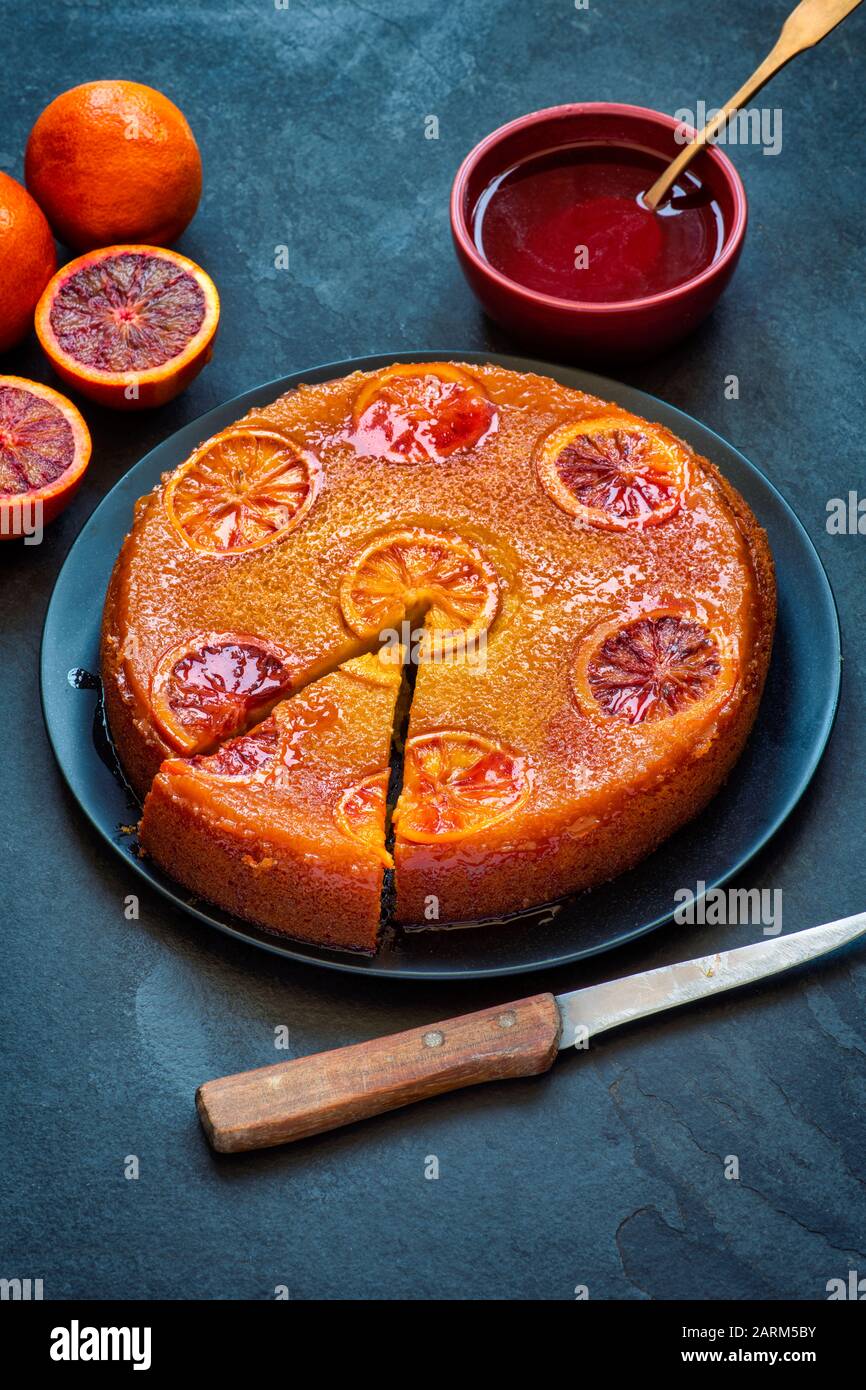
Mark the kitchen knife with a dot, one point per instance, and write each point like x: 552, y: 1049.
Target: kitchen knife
x: 292, y: 1100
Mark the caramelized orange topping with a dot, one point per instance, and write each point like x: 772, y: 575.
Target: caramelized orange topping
x: 612, y: 473
x: 421, y: 413
x: 456, y: 784
x: 241, y: 490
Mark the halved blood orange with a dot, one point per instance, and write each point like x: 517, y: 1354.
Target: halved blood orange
x: 421, y: 412
x: 243, y: 489
x: 613, y: 472
x: 360, y: 814
x: 44, y: 450
x: 210, y: 686
x: 129, y: 326
x: 414, y: 571
x: 664, y: 663
x: 456, y: 784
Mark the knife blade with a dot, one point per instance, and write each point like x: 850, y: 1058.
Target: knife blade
x: 293, y: 1100
x: 587, y: 1012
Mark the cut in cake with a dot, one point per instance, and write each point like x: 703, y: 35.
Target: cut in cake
x: 289, y: 819
x: 591, y: 607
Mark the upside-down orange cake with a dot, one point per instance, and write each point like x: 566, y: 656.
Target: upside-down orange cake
x: 589, y: 607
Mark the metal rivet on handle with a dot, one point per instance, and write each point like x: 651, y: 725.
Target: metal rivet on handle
x: 507, y: 1020
x: 434, y: 1039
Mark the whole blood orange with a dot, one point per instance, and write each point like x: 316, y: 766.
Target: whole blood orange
x: 44, y: 450
x: 27, y: 260
x: 114, y: 161
x: 129, y: 326
x: 613, y: 472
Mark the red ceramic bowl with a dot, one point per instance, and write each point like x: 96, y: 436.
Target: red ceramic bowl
x: 628, y: 328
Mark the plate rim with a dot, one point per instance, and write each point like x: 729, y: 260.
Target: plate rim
x: 605, y: 387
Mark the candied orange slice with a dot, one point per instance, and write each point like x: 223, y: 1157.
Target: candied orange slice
x: 415, y: 571
x: 457, y: 784
x: 209, y: 686
x: 421, y: 412
x: 245, y: 758
x: 360, y: 814
x: 274, y: 745
x: 661, y: 664
x: 243, y: 489
x: 613, y: 472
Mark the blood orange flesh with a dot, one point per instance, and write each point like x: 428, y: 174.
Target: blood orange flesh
x: 662, y: 664
x: 208, y: 688
x: 245, y: 756
x: 129, y: 325
x: 421, y: 413
x: 613, y: 474
x: 44, y: 450
x: 127, y: 313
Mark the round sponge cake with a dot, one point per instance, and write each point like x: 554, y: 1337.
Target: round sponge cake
x: 588, y: 604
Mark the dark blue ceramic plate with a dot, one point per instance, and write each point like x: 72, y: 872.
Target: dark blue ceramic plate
x: 782, y: 755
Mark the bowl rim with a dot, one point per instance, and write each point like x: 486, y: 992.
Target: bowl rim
x: 460, y: 230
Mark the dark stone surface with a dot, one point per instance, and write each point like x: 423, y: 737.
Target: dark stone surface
x: 609, y: 1172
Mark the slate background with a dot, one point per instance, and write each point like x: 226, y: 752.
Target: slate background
x: 608, y: 1172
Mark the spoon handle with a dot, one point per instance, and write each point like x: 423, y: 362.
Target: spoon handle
x: 805, y: 26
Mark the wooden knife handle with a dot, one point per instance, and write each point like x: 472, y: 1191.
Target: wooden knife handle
x: 291, y: 1100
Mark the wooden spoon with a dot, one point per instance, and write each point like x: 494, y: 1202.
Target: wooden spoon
x: 805, y: 26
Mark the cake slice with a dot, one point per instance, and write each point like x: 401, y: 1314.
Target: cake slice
x: 285, y: 825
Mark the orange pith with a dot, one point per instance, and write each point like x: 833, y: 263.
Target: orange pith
x: 44, y: 450
x: 613, y: 473
x: 663, y: 664
x: 421, y: 413
x: 407, y: 571
x: 208, y: 687
x: 241, y: 490
x: 360, y: 814
x: 456, y: 784
x: 129, y: 326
